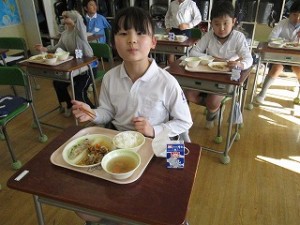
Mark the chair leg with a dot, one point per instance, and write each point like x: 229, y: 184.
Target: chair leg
x: 42, y: 138
x: 36, y: 85
x: 16, y: 163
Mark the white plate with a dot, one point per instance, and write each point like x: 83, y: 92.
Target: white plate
x: 219, y: 66
x: 80, y: 143
x: 292, y: 45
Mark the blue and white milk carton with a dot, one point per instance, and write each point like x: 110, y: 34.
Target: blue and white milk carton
x: 175, y: 156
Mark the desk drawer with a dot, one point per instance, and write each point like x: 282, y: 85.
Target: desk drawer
x: 205, y: 86
x: 180, y: 50
x: 57, y: 75
x: 283, y: 58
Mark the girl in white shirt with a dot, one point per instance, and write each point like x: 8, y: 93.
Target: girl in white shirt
x: 224, y: 43
x: 138, y: 94
x: 288, y: 29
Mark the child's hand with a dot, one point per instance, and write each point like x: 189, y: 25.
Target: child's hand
x: 82, y: 111
x: 183, y: 26
x: 40, y: 48
x: 143, y: 126
x: 235, y: 64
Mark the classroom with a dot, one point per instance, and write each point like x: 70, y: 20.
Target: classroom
x: 213, y: 139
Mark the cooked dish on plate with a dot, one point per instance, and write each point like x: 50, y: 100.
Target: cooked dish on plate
x: 219, y: 66
x: 292, y: 45
x: 37, y: 58
x: 88, y: 150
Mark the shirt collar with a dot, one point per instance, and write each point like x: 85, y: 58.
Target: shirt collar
x: 93, y: 17
x: 151, y: 71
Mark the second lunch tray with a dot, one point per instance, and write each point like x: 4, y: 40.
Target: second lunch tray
x: 204, y: 69
x: 145, y: 152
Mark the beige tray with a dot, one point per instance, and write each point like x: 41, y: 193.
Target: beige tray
x: 204, y: 69
x: 58, y: 62
x: 145, y: 152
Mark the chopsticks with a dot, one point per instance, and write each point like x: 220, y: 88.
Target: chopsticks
x: 89, y: 113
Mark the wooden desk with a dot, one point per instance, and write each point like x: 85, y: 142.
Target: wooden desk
x: 215, y: 83
x: 174, y: 47
x: 160, y: 196
x: 64, y: 72
x: 284, y: 56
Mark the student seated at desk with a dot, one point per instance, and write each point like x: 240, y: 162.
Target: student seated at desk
x: 138, y: 94
x: 288, y: 29
x: 223, y: 43
x: 95, y: 22
x: 182, y: 15
x: 74, y: 37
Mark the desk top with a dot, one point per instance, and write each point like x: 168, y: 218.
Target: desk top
x: 161, y: 196
x: 176, y: 70
x: 188, y: 42
x: 263, y: 47
x: 68, y: 66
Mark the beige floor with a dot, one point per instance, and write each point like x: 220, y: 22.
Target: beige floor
x: 261, y: 185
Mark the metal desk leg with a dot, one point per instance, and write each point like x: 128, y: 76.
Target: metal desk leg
x: 94, y: 86
x: 250, y: 105
x: 229, y: 140
x: 73, y: 91
x: 38, y: 209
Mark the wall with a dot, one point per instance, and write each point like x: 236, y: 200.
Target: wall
x: 15, y: 30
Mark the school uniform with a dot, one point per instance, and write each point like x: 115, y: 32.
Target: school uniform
x: 156, y: 95
x: 235, y: 47
x: 284, y: 29
x: 185, y: 12
x: 96, y: 25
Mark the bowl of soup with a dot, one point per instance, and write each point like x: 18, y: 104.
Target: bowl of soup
x: 192, y: 61
x: 50, y: 58
x: 121, y: 163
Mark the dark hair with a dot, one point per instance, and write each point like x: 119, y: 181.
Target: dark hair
x: 222, y: 8
x: 86, y: 2
x: 295, y: 7
x: 133, y: 17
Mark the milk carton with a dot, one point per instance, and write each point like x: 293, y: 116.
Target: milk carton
x: 175, y: 156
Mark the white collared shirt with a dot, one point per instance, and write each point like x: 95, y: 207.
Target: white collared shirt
x: 156, y: 95
x: 185, y: 12
x: 235, y: 47
x: 284, y: 29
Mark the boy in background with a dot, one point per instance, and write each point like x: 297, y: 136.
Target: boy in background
x: 225, y: 43
x: 95, y: 23
x: 289, y: 30
x: 182, y: 15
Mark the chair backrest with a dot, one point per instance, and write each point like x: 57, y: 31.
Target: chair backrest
x: 14, y: 43
x: 196, y: 33
x: 108, y: 36
x: 103, y: 51
x: 12, y: 76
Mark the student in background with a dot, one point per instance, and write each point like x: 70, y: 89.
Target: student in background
x: 223, y: 43
x: 288, y: 29
x: 95, y: 22
x: 182, y: 15
x: 74, y: 37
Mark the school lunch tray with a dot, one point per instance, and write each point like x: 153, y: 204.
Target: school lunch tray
x: 204, y: 69
x: 58, y: 62
x: 145, y: 152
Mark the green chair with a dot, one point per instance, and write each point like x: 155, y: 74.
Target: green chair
x: 196, y: 33
x: 16, y: 43
x: 16, y: 77
x: 102, y: 51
